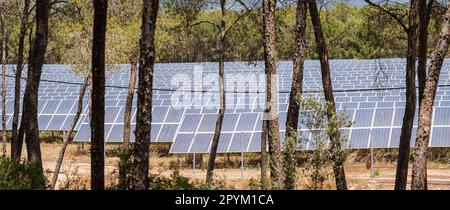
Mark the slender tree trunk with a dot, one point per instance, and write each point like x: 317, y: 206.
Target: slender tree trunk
x: 337, y: 157
x: 98, y: 96
x: 270, y: 58
x: 129, y: 106
x: 410, y: 107
x: 126, y: 153
x: 67, y: 140
x: 23, y: 121
x: 30, y: 103
x: 295, y: 96
x: 145, y: 92
x: 419, y: 170
x: 16, y: 146
x: 424, y: 20
x: 220, y: 115
x: 4, y: 61
x: 264, y: 179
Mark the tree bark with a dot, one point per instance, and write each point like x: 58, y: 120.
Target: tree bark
x: 422, y: 50
x: 98, y: 96
x: 16, y: 145
x: 270, y: 61
x: 264, y: 184
x: 145, y: 92
x: 30, y: 103
x: 220, y: 115
x: 419, y: 170
x: 296, y: 93
x: 23, y: 124
x: 337, y: 157
x: 129, y: 106
x: 67, y: 140
x: 4, y: 61
x: 410, y: 107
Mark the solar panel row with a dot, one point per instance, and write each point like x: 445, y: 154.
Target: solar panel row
x: 376, y: 114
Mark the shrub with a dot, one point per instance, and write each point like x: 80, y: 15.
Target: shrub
x: 21, y: 175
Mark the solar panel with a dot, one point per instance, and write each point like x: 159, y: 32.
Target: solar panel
x: 379, y: 113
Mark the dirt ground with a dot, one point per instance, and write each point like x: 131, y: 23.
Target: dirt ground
x: 358, y: 176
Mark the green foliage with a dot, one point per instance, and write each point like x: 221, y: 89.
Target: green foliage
x: 351, y: 32
x: 21, y: 175
x: 290, y: 163
x: 125, y: 167
x: 174, y: 182
x: 315, y: 118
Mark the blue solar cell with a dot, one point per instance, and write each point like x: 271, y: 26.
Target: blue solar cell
x: 255, y: 144
x: 247, y: 122
x: 240, y: 142
x: 383, y: 117
x: 395, y: 137
x: 84, y: 133
x: 66, y: 106
x: 174, y: 115
x: 159, y: 114
x: 363, y: 118
x: 282, y: 120
x: 201, y: 143
x: 380, y: 138
x: 440, y: 137
x: 208, y: 123
x: 110, y: 102
x: 43, y: 121
x: 116, y: 134
x: 224, y: 142
x: 120, y: 116
x: 229, y: 122
x: 359, y: 138
x: 190, y: 123
x: 182, y: 143
x: 57, y: 122
x: 442, y: 116
x: 111, y: 114
x: 398, y: 117
x: 155, y: 128
x: 51, y: 106
x: 167, y: 133
x: 41, y: 105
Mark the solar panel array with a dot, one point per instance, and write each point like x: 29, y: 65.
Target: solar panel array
x: 377, y: 114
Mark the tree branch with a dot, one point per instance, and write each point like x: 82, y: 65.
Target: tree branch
x: 405, y: 28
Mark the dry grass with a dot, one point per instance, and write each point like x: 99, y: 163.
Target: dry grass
x: 358, y: 176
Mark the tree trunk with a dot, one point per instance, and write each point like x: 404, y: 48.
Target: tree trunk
x: 16, y: 146
x: 145, y: 92
x: 129, y: 106
x: 270, y: 61
x: 30, y: 103
x: 337, y: 157
x: 98, y: 96
x: 67, y: 140
x: 23, y: 122
x: 419, y: 170
x: 4, y: 49
x: 422, y: 50
x: 410, y: 107
x: 295, y: 95
x: 220, y: 115
x: 264, y: 180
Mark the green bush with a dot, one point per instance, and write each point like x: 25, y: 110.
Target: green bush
x: 21, y: 175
